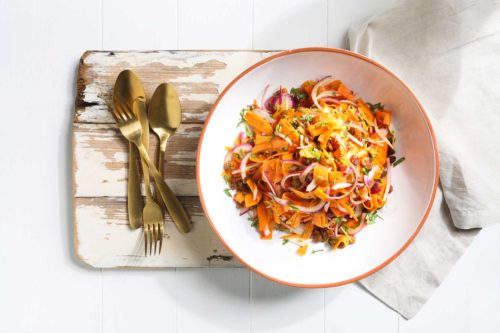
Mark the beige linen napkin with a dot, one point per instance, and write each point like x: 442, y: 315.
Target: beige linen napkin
x: 448, y: 52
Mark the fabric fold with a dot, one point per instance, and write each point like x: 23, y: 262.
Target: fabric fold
x: 448, y: 52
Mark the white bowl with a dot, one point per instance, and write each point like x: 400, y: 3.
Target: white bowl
x: 415, y: 181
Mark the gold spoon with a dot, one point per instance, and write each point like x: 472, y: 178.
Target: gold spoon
x: 164, y: 118
x: 127, y: 89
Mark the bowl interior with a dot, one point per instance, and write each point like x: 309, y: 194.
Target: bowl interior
x: 414, y: 181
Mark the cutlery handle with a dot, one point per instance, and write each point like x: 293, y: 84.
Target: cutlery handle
x: 134, y: 201
x: 143, y: 119
x: 161, y: 163
x: 174, y: 207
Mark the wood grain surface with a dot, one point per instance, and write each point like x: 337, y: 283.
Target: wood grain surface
x: 102, y: 235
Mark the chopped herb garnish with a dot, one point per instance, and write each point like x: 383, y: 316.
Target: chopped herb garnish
x: 285, y: 241
x: 226, y: 190
x: 365, y: 170
x: 254, y: 220
x: 372, y: 216
x: 315, y: 251
x: 294, y: 208
x: 298, y: 94
x: 375, y: 107
x: 338, y: 220
x: 242, y: 115
x: 226, y: 178
x: 306, y: 117
x: 398, y: 161
x: 248, y: 132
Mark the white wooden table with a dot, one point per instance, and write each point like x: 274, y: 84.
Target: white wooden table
x: 43, y: 288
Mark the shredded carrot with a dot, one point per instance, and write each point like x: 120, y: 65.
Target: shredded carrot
x: 315, y: 161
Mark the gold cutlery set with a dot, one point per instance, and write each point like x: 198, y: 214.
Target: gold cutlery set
x: 134, y: 119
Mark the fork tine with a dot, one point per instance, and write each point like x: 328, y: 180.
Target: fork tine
x: 127, y: 111
x: 161, y: 237
x: 155, y: 235
x: 145, y: 228
x: 145, y: 240
x: 122, y: 108
x: 118, y: 110
x: 150, y: 239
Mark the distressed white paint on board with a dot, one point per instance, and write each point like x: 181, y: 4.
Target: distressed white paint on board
x: 100, y: 156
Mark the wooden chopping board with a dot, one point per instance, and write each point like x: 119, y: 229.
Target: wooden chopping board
x: 102, y: 235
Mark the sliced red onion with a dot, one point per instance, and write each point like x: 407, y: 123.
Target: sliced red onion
x: 354, y: 139
x: 306, y: 171
x: 336, y: 230
x: 244, y: 147
x: 388, y: 184
x: 327, y: 93
x: 339, y: 186
x: 314, y: 209
x: 284, y: 137
x: 280, y: 201
x: 249, y: 167
x: 376, y: 142
x: 362, y: 224
x: 312, y: 185
x: 255, y: 192
x: 368, y: 181
x: 284, y: 179
x: 286, y: 101
x: 314, y: 91
x: 327, y: 205
x: 356, y: 126
x: 347, y: 193
x: 264, y: 115
x: 342, y: 209
x: 264, y: 175
x: 282, y: 99
x: 384, y: 138
x: 292, y: 162
x: 243, y: 165
x: 262, y: 103
x: 349, y: 102
x: 331, y: 100
x: 245, y: 210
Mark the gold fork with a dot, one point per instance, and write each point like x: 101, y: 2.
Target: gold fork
x: 130, y: 127
x: 152, y: 214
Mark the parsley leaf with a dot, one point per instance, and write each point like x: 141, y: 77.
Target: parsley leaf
x: 254, y: 220
x: 375, y: 107
x: 365, y: 170
x: 226, y: 190
x: 372, y: 216
x: 298, y: 94
x: 399, y: 161
x: 285, y: 241
x: 226, y: 178
x: 306, y: 117
x: 294, y: 208
x: 242, y: 115
x: 315, y: 251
